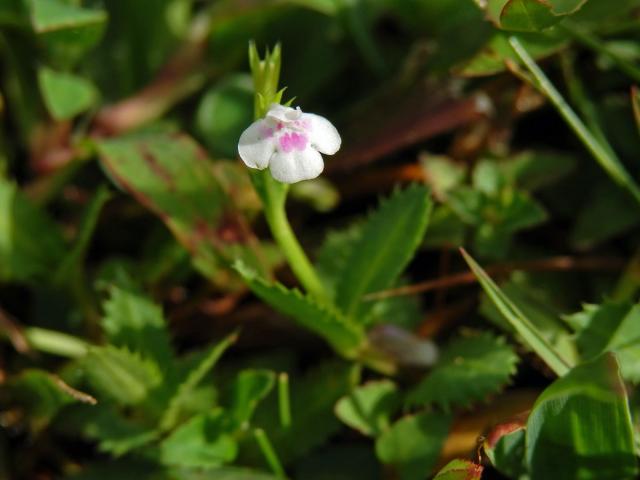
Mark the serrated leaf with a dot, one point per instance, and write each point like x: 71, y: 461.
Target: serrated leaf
x: 31, y: 245
x: 527, y: 330
x: 335, y: 251
x: 369, y: 407
x: 133, y: 321
x: 192, y: 378
x: 249, y: 388
x: 388, y: 242
x: 171, y: 175
x: 469, y: 369
x: 344, y: 335
x: 412, y: 444
x: 120, y: 374
x: 313, y: 397
x: 203, y: 441
x: 613, y: 327
x: 65, y: 94
x: 460, y: 470
x: 580, y: 427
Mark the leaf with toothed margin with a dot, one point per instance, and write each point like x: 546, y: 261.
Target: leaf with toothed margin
x: 346, y: 336
x: 469, y: 369
x: 389, y: 239
x: 170, y: 174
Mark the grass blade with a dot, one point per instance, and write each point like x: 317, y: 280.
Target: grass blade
x: 606, y: 158
x: 527, y: 330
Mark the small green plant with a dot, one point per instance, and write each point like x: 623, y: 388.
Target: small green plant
x: 437, y: 277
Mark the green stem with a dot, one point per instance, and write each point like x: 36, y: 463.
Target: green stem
x: 595, y: 44
x: 605, y: 158
x: 284, y: 403
x: 274, y: 196
x: 269, y: 453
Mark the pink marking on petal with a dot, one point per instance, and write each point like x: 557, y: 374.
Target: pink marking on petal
x: 293, y: 141
x: 266, y: 132
x: 299, y: 141
x: 279, y: 126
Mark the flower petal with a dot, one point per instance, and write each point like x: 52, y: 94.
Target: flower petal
x: 280, y: 113
x: 257, y: 145
x: 296, y: 166
x: 323, y: 135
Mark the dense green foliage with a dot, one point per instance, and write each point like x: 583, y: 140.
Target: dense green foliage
x: 456, y: 297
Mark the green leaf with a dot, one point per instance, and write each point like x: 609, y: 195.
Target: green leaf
x: 31, y: 245
x: 344, y: 335
x: 539, y: 308
x: 67, y: 30
x: 530, y: 15
x: 249, y: 388
x: 580, y: 427
x: 368, y: 408
x: 200, y: 442
x: 133, y: 321
x: 65, y: 94
x: 193, y: 377
x: 507, y: 453
x: 470, y: 369
x: 171, y: 175
x: 333, y: 254
x: 613, y: 327
x: 460, y: 470
x: 388, y: 242
x: 525, y: 328
x: 120, y: 374
x: 413, y: 443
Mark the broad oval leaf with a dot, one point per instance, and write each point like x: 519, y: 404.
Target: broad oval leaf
x: 530, y: 15
x: 369, y: 407
x: 580, y: 427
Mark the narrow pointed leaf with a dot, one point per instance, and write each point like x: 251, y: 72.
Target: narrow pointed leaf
x: 525, y: 328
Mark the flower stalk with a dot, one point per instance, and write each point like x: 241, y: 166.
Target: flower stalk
x: 273, y: 194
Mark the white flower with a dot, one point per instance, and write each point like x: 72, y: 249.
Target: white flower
x: 289, y: 142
